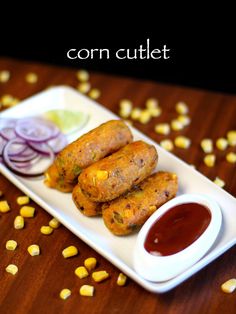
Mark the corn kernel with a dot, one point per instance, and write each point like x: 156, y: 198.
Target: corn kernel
x: 207, y: 145
x: 231, y: 157
x: 145, y: 117
x: 152, y: 103
x: 11, y: 245
x: 135, y: 113
x: 100, y: 275
x: 82, y: 75
x: 27, y: 211
x: 12, y: 269
x: 4, y: 207
x: 70, y: 251
x: 90, y: 263
x: 221, y: 143
x: 155, y: 112
x: 102, y: 174
x: 176, y: 125
x: 86, y: 290
x: 81, y: 272
x: 162, y: 128
x: 6, y: 100
x: 4, y: 76
x: 54, y: 223
x: 31, y: 78
x: 182, y: 142
x: 19, y: 222
x: 219, y: 182
x: 95, y: 93
x: 229, y: 286
x: 22, y: 200
x: 231, y: 137
x: 185, y: 120
x: 65, y: 293
x: 167, y: 144
x: 209, y: 160
x: 125, y: 108
x: 84, y: 87
x: 34, y: 250
x: 121, y: 280
x: 46, y: 230
x: 181, y: 107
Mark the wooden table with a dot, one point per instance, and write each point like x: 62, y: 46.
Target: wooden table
x: 36, y: 287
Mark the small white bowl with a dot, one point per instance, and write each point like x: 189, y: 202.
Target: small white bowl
x: 162, y: 268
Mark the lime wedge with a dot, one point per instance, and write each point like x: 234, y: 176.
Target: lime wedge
x: 67, y: 121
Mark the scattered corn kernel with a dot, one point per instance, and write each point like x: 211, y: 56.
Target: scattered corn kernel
x: 34, y: 250
x: 121, y: 280
x: 176, y: 125
x: 6, y: 100
x: 155, y: 112
x: 82, y: 75
x: 182, y: 142
x: 100, y: 275
x: 27, y: 211
x: 86, y: 290
x: 229, y: 286
x: 207, y: 145
x: 19, y: 222
x: 81, y: 272
x: 219, y: 182
x: 90, y: 263
x: 12, y: 269
x: 102, y: 174
x: 167, y: 145
x: 22, y: 200
x: 54, y: 223
x: 185, y: 120
x: 46, y: 230
x: 135, y: 113
x: 11, y: 245
x: 231, y: 157
x: 84, y: 87
x: 95, y: 93
x: 4, y: 207
x: 4, y: 76
x: 231, y: 137
x: 210, y: 160
x: 181, y: 107
x: 125, y: 108
x: 31, y: 78
x: 221, y: 143
x: 162, y: 128
x: 145, y: 116
x: 70, y: 251
x: 65, y: 293
x: 152, y: 103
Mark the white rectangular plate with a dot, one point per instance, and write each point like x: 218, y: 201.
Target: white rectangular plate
x: 118, y: 250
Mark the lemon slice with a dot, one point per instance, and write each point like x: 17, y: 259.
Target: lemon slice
x: 67, y: 121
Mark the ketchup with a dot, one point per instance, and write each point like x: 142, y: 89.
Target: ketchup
x: 175, y: 230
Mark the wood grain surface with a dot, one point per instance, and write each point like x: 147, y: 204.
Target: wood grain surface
x: 36, y: 287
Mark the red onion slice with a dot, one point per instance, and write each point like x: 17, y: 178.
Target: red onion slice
x: 2, y: 144
x: 58, y: 143
x: 8, y: 133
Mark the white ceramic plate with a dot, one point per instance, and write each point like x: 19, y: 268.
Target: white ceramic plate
x: 118, y: 250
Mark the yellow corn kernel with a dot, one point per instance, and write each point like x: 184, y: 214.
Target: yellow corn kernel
x: 82, y: 75
x: 31, y: 78
x: 121, y: 280
x: 90, y: 263
x: 219, y: 182
x: 181, y: 107
x: 95, y: 93
x: 54, y: 223
x: 4, y: 207
x: 162, y: 128
x: 221, y: 143
x: 135, y: 113
x: 229, y: 286
x: 185, y: 120
x: 176, y: 125
x: 155, y: 112
x: 11, y: 245
x: 231, y: 157
x: 145, y: 117
x: 4, y: 76
x: 46, y: 230
x: 34, y: 250
x: 152, y: 103
x: 27, y: 211
x: 84, y: 87
x: 100, y: 275
x: 22, y: 200
x: 65, y: 293
x: 86, y: 290
x: 182, y: 142
x: 12, y: 269
x: 167, y: 144
x: 19, y: 222
x: 102, y: 174
x: 231, y: 137
x: 6, y: 100
x: 207, y: 145
x: 210, y: 160
x: 81, y: 272
x: 70, y: 251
